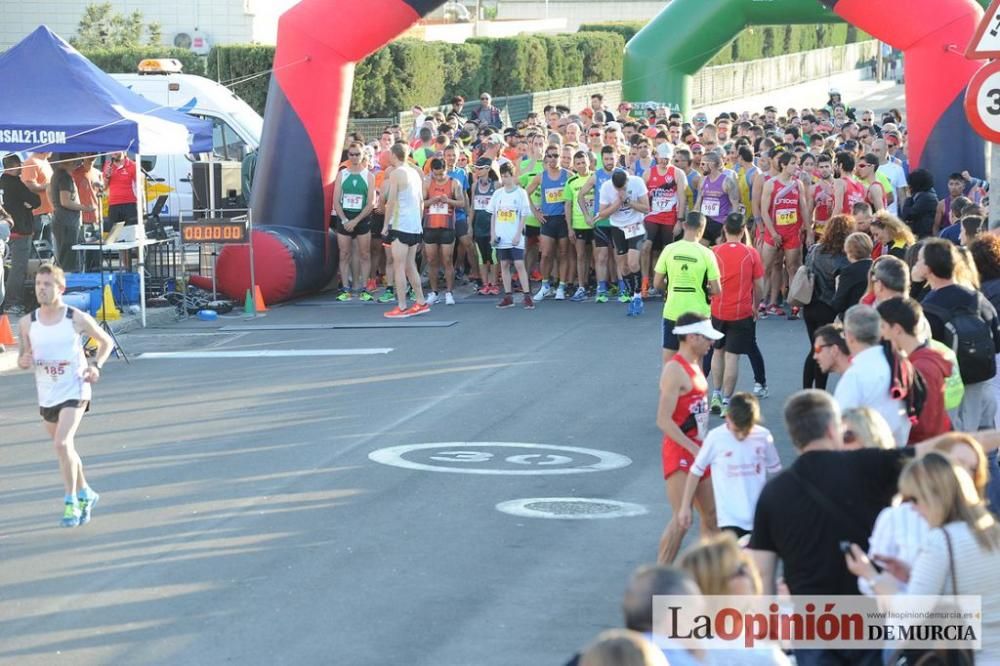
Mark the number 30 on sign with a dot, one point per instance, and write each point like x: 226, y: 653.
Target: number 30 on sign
x: 982, y: 102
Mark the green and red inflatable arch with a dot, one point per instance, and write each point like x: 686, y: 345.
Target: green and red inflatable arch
x: 662, y: 57
x: 319, y: 42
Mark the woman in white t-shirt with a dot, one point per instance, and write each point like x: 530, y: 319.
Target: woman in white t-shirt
x: 740, y: 453
x: 509, y: 206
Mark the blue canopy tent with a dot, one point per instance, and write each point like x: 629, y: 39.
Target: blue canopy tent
x: 55, y: 100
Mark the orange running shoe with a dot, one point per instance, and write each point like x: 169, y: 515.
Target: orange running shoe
x: 417, y: 309
x: 396, y: 313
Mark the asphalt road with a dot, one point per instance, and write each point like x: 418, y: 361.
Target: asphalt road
x: 242, y: 520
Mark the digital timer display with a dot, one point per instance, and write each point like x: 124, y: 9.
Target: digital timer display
x: 214, y: 231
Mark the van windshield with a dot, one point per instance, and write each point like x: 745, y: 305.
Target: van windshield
x: 251, y: 125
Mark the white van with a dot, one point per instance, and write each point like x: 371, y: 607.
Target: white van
x: 236, y: 127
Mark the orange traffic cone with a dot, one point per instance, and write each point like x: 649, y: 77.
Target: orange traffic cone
x: 6, y: 335
x: 258, y: 299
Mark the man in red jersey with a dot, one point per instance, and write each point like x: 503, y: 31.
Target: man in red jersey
x: 734, y: 314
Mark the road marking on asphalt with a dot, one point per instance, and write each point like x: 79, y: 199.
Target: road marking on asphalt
x: 570, y: 508
x: 266, y: 353
x: 499, y: 458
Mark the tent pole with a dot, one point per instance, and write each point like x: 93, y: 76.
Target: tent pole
x: 140, y: 236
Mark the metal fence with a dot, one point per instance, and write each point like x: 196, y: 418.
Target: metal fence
x: 711, y: 85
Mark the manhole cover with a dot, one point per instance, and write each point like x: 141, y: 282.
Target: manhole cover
x: 570, y: 508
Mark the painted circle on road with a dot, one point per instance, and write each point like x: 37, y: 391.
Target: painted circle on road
x: 510, y: 458
x: 570, y: 508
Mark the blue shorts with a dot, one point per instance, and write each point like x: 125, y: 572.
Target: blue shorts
x: 510, y: 254
x: 670, y: 340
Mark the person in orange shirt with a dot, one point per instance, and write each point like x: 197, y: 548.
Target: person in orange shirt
x: 36, y: 173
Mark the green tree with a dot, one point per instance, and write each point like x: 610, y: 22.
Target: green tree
x: 102, y: 27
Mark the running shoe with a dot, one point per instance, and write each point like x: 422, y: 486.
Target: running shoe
x: 529, y: 304
x: 396, y: 313
x: 543, y: 291
x: 775, y: 311
x: 71, y: 515
x: 623, y: 297
x: 762, y: 310
x: 507, y: 302
x: 432, y: 297
x: 494, y: 290
x: 86, y: 500
x: 602, y: 297
x: 760, y: 390
x: 579, y: 295
x: 418, y: 309
x: 388, y: 296
x: 716, y: 405
x: 560, y: 293
x: 448, y: 298
x: 652, y: 293
x: 371, y: 285
x: 344, y: 296
x: 613, y: 290
x: 366, y: 296
x: 535, y: 276
x: 486, y: 290
x: 794, y: 314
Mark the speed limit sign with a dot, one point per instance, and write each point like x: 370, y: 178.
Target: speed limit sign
x: 982, y: 102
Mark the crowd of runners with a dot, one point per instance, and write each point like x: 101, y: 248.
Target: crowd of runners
x: 806, y: 213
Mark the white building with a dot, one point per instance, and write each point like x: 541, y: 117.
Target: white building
x: 214, y: 21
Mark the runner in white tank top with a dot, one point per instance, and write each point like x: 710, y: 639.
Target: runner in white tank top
x: 404, y: 207
x: 51, y: 342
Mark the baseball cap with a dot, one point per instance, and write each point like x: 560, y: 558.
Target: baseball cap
x: 587, y: 112
x: 613, y: 125
x: 484, y: 163
x: 664, y: 151
x: 702, y: 327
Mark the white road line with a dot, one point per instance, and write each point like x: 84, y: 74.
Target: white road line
x: 266, y: 353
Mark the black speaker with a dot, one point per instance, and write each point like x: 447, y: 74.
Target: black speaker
x: 229, y: 200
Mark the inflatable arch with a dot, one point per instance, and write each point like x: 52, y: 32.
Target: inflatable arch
x: 319, y: 42
x: 662, y: 57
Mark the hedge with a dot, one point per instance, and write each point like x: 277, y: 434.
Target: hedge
x: 126, y: 60
x: 408, y: 72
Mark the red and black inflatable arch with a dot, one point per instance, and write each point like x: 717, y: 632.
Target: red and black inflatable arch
x: 319, y: 42
x: 933, y: 35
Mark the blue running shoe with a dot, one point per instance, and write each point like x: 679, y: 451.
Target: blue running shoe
x: 87, y: 501
x: 71, y: 515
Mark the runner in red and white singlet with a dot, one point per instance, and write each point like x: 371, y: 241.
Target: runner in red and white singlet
x: 682, y: 415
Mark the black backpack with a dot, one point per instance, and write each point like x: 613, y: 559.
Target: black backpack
x: 971, y: 338
x: 906, y: 383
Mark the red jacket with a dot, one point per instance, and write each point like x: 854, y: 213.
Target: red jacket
x: 935, y: 369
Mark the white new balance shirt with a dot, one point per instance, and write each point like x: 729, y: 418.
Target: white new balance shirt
x: 739, y: 471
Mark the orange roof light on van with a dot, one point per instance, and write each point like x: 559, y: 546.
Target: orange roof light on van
x: 160, y: 66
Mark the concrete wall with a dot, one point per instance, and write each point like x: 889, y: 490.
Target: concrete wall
x: 222, y: 21
x: 580, y: 11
